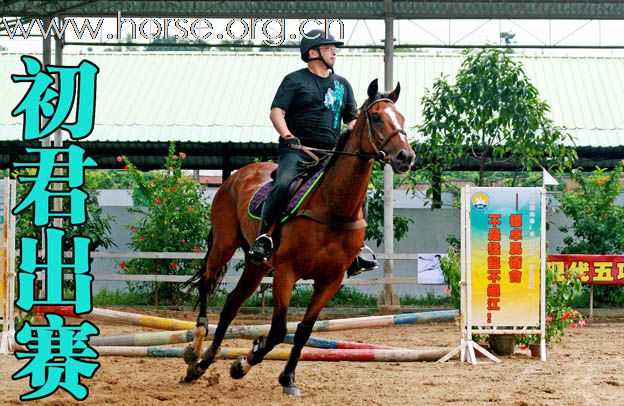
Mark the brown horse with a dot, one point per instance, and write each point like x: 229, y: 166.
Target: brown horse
x: 319, y: 244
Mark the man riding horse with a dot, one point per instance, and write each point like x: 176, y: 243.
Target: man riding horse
x: 307, y: 109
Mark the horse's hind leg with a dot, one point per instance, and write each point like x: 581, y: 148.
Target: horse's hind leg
x: 248, y: 283
x: 323, y: 292
x: 282, y: 290
x: 222, y: 243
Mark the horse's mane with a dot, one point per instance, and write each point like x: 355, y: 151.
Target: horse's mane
x: 344, y: 137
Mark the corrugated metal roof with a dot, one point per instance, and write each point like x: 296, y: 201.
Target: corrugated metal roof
x: 225, y: 97
x: 346, y: 9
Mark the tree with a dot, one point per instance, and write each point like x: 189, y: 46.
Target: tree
x: 597, y: 221
x: 508, y: 37
x: 491, y: 115
x: 173, y: 44
x: 375, y: 228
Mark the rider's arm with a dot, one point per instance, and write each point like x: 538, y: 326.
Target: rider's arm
x: 279, y: 122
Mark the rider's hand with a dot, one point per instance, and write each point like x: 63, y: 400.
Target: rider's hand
x: 292, y: 140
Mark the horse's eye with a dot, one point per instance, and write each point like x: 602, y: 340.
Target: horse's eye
x: 376, y: 118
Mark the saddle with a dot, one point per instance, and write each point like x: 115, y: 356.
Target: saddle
x: 299, y: 190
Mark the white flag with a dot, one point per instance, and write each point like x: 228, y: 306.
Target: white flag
x: 547, y: 178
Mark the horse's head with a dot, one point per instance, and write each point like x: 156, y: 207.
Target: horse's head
x: 384, y: 123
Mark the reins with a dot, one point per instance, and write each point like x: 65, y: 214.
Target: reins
x: 379, y: 154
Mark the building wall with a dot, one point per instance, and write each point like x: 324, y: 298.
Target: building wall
x: 427, y: 234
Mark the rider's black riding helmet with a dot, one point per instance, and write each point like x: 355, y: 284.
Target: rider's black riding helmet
x: 313, y: 40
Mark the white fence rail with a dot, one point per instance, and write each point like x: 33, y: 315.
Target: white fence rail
x: 229, y: 279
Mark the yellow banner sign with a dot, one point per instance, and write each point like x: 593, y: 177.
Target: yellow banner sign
x: 505, y: 256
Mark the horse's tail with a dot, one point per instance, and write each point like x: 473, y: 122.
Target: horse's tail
x: 205, y: 284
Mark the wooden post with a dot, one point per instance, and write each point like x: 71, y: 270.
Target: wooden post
x: 156, y: 284
x: 388, y: 299
x: 591, y: 301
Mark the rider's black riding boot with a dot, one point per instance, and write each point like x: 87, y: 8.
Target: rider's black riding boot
x: 262, y: 248
x: 361, y: 264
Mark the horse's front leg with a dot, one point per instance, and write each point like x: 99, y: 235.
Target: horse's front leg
x: 282, y: 290
x: 323, y: 293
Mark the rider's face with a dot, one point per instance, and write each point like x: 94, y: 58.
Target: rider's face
x: 329, y: 53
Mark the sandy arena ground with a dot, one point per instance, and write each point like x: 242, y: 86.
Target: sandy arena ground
x: 587, y: 368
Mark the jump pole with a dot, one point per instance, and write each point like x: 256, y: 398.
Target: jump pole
x: 186, y: 336
x: 307, y: 354
x: 257, y: 330
x: 115, y: 317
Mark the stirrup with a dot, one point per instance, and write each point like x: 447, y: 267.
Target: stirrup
x: 262, y: 248
x: 361, y: 264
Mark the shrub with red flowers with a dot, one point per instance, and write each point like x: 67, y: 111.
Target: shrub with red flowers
x: 597, y: 222
x: 173, y: 217
x: 560, y: 289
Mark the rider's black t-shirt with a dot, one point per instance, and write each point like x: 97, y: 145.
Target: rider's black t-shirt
x: 315, y: 106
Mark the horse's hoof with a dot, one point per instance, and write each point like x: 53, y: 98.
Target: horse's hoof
x: 291, y: 390
x: 190, y: 355
x: 288, y: 384
x: 193, y: 373
x: 239, y: 368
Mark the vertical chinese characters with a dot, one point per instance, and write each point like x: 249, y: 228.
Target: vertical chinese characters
x: 494, y: 267
x: 515, y: 248
x: 57, y: 352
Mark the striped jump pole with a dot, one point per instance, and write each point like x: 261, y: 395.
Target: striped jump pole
x: 163, y: 338
x: 114, y: 316
x: 307, y: 354
x: 257, y: 330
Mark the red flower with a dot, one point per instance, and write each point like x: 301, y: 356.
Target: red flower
x: 122, y: 265
x: 183, y: 155
x: 566, y: 316
x: 523, y: 347
x: 131, y: 227
x: 119, y: 159
x: 567, y: 189
x: 171, y: 169
x: 174, y: 265
x: 197, y: 249
x: 183, y: 242
x: 175, y: 157
x: 601, y: 181
x: 141, y: 238
x: 126, y: 168
x: 573, y: 325
x: 173, y: 189
x: 447, y: 291
x: 158, y: 201
x: 548, y: 318
x: 190, y: 208
x: 151, y: 183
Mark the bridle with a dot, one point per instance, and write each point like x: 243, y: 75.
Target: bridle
x: 379, y: 154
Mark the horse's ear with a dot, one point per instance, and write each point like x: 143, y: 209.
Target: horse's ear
x: 372, y: 90
x: 394, y: 96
